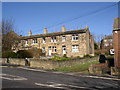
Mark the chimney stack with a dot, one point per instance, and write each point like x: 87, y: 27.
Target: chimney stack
x: 45, y: 31
x: 30, y: 33
x: 87, y: 28
x: 63, y: 29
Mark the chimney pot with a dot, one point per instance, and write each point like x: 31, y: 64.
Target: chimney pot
x: 45, y: 31
x: 30, y: 33
x: 86, y: 27
x: 63, y: 29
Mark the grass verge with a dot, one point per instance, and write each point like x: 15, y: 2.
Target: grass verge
x: 78, y: 68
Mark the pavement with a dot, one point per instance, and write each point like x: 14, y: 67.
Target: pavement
x: 21, y: 77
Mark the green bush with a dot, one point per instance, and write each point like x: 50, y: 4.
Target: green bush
x: 9, y: 54
x: 36, y: 53
x: 95, y: 46
x: 88, y: 56
x: 59, y: 58
x: 65, y: 55
x: 106, y: 53
x: 97, y: 53
x: 24, y: 54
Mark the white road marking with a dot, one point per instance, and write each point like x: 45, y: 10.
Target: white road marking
x: 46, y: 85
x: 72, y: 74
x: 57, y: 85
x: 58, y: 72
x: 11, y: 77
x: 100, y: 77
x: 32, y: 69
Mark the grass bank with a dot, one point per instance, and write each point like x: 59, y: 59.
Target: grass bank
x: 78, y: 68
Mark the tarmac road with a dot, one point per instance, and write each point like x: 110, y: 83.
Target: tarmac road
x: 25, y: 77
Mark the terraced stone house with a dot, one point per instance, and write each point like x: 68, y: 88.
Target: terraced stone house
x: 71, y: 43
x: 107, y: 42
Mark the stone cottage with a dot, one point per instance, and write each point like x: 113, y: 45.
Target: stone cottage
x: 71, y: 43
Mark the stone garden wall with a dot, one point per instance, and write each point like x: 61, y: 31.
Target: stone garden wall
x: 48, y: 64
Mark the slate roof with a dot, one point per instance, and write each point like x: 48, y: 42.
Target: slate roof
x: 109, y: 37
x: 55, y: 34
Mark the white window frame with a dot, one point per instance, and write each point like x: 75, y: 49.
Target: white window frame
x: 54, y: 49
x: 75, y: 37
x: 34, y: 40
x: 43, y: 49
x: 110, y: 40
x: 63, y: 38
x: 106, y: 44
x: 105, y: 40
x: 26, y: 42
x: 53, y: 39
x: 43, y: 40
x: 75, y: 48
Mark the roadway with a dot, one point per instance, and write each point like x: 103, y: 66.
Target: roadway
x: 25, y: 77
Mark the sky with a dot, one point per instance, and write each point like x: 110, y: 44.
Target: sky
x: 35, y: 16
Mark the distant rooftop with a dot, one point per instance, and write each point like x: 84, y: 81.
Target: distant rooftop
x: 108, y: 37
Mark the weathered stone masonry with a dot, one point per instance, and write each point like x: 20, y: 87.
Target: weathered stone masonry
x: 72, y: 43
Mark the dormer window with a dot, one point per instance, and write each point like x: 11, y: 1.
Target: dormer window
x: 63, y: 38
x: 34, y: 40
x: 53, y: 39
x: 74, y: 37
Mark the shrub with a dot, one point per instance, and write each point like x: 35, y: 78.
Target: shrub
x: 87, y: 55
x: 59, y: 58
x: 9, y: 54
x: 36, y: 53
x: 97, y: 53
x: 106, y: 53
x: 65, y: 55
x: 95, y: 46
x: 24, y: 54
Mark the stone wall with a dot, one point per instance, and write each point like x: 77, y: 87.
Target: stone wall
x: 13, y: 61
x: 48, y: 64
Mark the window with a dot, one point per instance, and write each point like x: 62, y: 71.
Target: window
x: 43, y: 49
x: 75, y: 48
x: 106, y: 44
x: 110, y: 40
x: 44, y: 40
x: 54, y: 48
x: 63, y: 38
x: 53, y: 39
x: 105, y: 40
x: 74, y: 37
x: 34, y: 40
x: 26, y: 42
x: 19, y: 41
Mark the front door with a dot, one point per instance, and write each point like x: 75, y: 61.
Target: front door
x: 64, y: 50
x: 50, y: 51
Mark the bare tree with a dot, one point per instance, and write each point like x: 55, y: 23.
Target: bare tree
x: 8, y: 35
x: 98, y: 38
